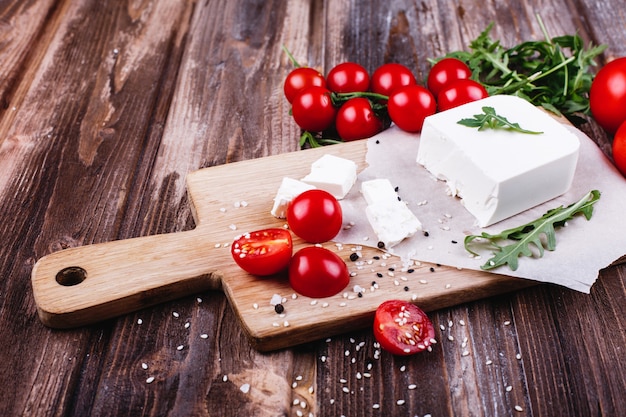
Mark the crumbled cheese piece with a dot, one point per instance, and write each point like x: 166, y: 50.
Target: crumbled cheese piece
x: 288, y: 190
x: 333, y: 174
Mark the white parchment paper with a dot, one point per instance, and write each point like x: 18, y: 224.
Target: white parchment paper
x: 583, y: 247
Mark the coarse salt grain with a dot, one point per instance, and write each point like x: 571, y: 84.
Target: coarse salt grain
x: 245, y: 388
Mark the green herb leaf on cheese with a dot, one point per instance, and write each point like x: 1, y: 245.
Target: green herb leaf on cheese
x: 489, y: 119
x: 539, y: 234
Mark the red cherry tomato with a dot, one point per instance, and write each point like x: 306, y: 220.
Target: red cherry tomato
x: 408, y: 107
x: 607, y: 96
x: 460, y: 92
x: 315, y: 216
x: 619, y: 148
x: 313, y: 109
x: 402, y: 328
x: 348, y: 77
x: 263, y: 252
x: 301, y: 78
x: 317, y: 272
x: 445, y: 72
x: 356, y: 120
x: 390, y: 76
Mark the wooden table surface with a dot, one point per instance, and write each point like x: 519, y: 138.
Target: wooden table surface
x: 105, y: 106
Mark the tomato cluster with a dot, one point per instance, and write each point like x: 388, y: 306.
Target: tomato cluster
x: 349, y: 104
x: 607, y: 99
x: 315, y: 216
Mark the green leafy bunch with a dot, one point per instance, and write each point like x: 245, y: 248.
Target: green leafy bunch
x: 530, y: 235
x: 554, y: 73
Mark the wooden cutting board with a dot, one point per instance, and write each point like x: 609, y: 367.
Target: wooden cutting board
x: 83, y: 285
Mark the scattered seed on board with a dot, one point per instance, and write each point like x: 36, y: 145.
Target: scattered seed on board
x: 150, y: 380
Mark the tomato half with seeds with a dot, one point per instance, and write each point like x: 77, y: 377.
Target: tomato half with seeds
x: 263, y: 252
x: 300, y: 79
x: 317, y: 272
x: 460, y: 92
x: 315, y: 216
x: 402, y: 328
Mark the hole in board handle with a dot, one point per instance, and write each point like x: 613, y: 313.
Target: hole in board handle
x: 70, y: 276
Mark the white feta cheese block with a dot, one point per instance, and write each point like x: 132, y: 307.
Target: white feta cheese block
x: 379, y: 189
x: 390, y: 218
x: 392, y: 221
x: 333, y: 174
x: 499, y: 173
x: 289, y: 189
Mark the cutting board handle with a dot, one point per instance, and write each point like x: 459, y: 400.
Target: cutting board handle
x: 87, y: 284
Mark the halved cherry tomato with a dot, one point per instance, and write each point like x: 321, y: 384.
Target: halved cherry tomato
x: 619, y: 148
x: 446, y: 71
x: 607, y: 96
x: 402, y: 328
x: 318, y: 272
x: 315, y: 216
x: 301, y: 78
x: 408, y: 106
x: 313, y: 109
x: 460, y: 92
x: 348, y: 77
x: 389, y: 77
x: 263, y: 252
x: 356, y: 120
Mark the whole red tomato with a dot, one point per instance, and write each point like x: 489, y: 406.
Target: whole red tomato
x: 460, y: 92
x: 301, y: 78
x: 263, y: 252
x: 315, y: 216
x: 445, y: 72
x: 408, y: 106
x: 619, y: 148
x: 356, y: 120
x: 313, y: 109
x: 348, y: 77
x: 402, y: 328
x: 607, y: 96
x: 317, y: 272
x: 390, y: 76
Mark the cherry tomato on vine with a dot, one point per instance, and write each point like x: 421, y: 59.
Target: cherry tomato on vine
x: 263, y: 252
x: 460, y: 92
x: 348, y: 77
x: 408, y: 106
x: 445, y: 72
x: 301, y: 78
x: 313, y: 109
x: 402, y: 328
x: 356, y: 120
x: 619, y: 148
x: 318, y: 272
x: 390, y: 76
x: 607, y: 96
x: 315, y: 216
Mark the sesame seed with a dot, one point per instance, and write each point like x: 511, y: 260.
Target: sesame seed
x: 144, y: 366
x: 150, y: 380
x: 518, y: 408
x: 204, y: 336
x: 245, y: 388
x: 400, y: 402
x: 412, y: 386
x: 175, y: 314
x: 139, y: 321
x: 180, y: 347
x: 509, y: 388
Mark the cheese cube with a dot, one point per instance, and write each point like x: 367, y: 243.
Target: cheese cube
x: 498, y: 173
x: 392, y: 221
x: 333, y: 174
x: 390, y: 218
x: 379, y: 189
x: 288, y: 190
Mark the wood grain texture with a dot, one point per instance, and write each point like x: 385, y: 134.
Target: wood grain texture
x: 107, y: 106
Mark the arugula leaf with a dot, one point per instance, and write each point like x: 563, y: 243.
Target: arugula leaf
x: 491, y: 120
x: 530, y: 234
x: 554, y: 73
